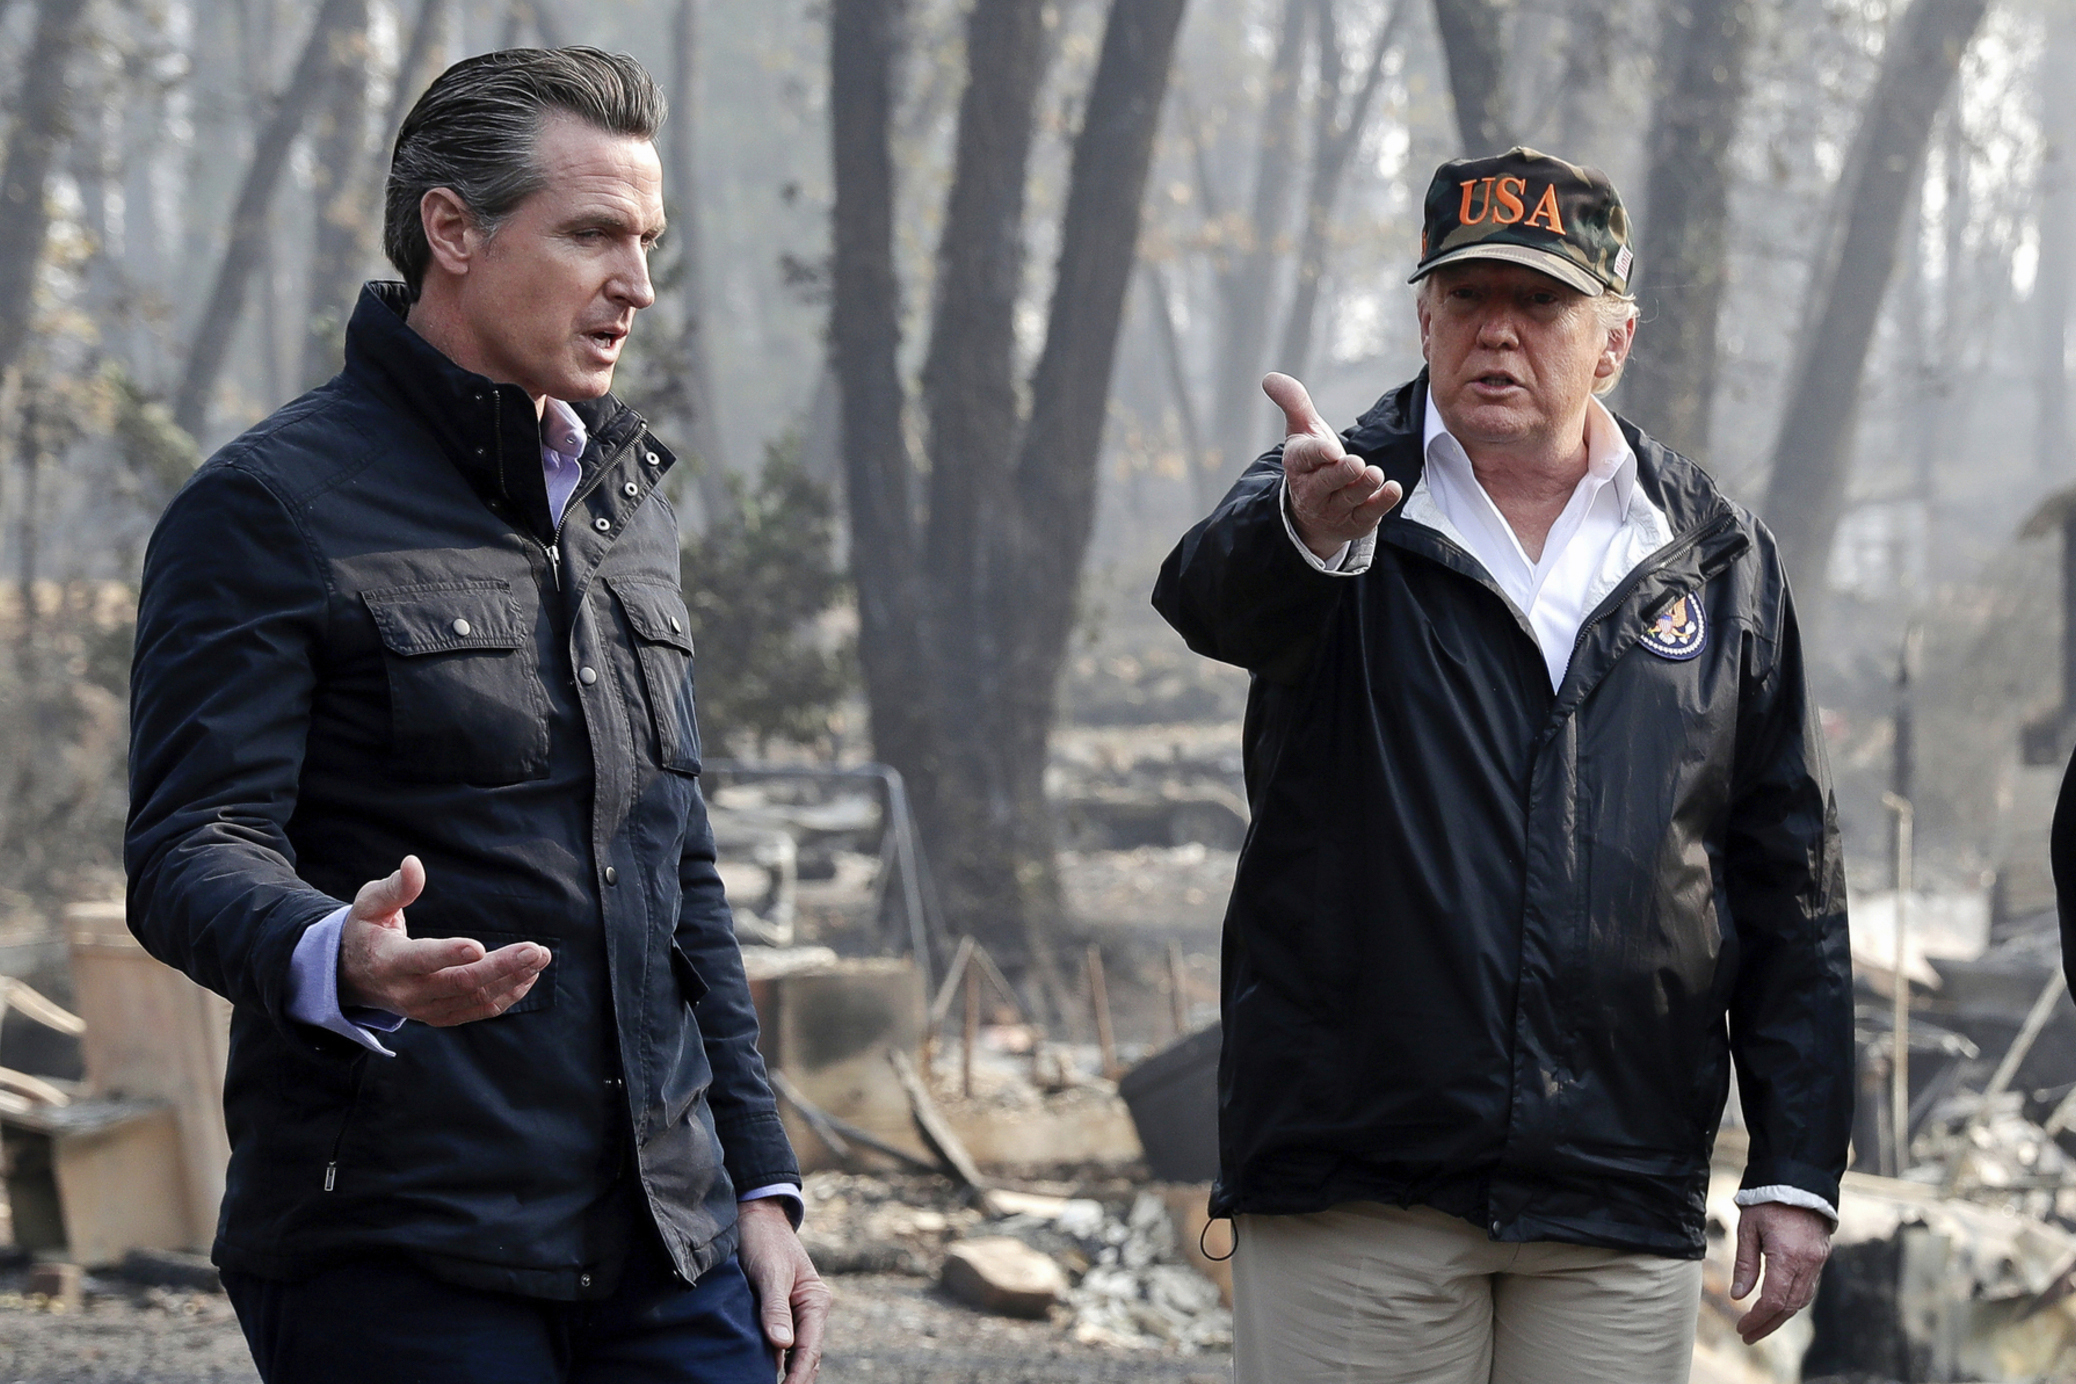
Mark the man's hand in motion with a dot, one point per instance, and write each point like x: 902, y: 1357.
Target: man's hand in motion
x: 439, y: 981
x: 1334, y: 498
x: 792, y: 1300
x: 1794, y: 1244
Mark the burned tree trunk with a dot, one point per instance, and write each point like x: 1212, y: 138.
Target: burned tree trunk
x: 1239, y: 426
x: 962, y: 644
x: 1342, y: 118
x: 2052, y: 288
x: 248, y: 230
x: 969, y: 397
x: 1474, y: 47
x: 1047, y: 527
x: 39, y: 128
x: 695, y: 385
x: 339, y: 189
x: 864, y: 342
x: 1683, y: 262
x: 1812, y: 455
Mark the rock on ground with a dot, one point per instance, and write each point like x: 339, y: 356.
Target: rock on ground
x: 999, y: 1274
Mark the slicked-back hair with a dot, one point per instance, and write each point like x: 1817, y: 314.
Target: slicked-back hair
x: 475, y: 129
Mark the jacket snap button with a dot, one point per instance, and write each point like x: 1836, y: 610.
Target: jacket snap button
x: 479, y: 451
x: 587, y: 676
x: 612, y: 875
x: 462, y: 627
x: 675, y: 627
x: 630, y: 490
x: 602, y: 525
x: 652, y: 458
x: 583, y: 1280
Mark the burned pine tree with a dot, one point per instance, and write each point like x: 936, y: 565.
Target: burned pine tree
x: 965, y: 611
x: 213, y: 332
x: 39, y: 129
x: 1806, y: 493
x: 1683, y: 261
x: 1473, y: 36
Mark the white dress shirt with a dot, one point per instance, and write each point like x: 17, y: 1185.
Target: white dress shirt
x: 1607, y: 528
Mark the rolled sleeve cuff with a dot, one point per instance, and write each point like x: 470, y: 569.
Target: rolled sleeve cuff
x: 1789, y: 1196
x: 1349, y: 560
x: 313, y: 989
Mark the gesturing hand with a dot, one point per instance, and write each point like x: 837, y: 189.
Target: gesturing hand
x: 438, y: 981
x: 1794, y: 1244
x: 1334, y: 498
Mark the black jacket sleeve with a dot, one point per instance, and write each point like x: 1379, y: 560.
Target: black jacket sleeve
x: 231, y: 610
x: 1791, y: 1012
x: 754, y: 1146
x: 1237, y: 589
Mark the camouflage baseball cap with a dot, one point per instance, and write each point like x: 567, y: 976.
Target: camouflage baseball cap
x: 1530, y: 209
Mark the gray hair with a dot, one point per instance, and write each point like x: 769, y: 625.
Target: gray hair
x: 1613, y: 310
x: 474, y: 130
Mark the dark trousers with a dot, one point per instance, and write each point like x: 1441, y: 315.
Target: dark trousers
x: 387, y: 1322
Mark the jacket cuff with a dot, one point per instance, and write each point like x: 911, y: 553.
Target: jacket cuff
x: 1352, y: 559
x: 1773, y: 1175
x: 1789, y: 1196
x: 756, y: 1152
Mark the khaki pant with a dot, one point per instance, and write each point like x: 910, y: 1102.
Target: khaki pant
x: 1373, y: 1294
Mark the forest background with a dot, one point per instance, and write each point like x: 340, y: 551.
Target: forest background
x: 961, y: 321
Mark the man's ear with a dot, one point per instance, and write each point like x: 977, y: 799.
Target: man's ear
x: 1619, y: 340
x: 449, y: 229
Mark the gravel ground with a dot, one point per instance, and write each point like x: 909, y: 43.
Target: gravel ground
x: 883, y: 1328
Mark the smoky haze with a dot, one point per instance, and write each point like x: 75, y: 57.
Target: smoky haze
x: 901, y: 302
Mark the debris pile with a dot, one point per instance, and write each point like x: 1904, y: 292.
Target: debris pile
x: 1104, y: 1261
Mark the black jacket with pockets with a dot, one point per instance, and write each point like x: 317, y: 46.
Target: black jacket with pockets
x: 1492, y: 948
x: 360, y: 636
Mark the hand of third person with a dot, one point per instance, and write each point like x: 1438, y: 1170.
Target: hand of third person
x: 439, y: 981
x: 1334, y: 498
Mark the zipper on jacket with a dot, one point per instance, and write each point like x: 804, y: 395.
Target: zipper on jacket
x: 553, y: 548
x: 331, y: 1168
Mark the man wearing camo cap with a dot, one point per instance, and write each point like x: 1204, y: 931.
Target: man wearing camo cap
x: 1543, y: 846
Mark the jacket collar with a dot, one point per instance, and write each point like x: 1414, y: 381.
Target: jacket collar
x: 489, y: 431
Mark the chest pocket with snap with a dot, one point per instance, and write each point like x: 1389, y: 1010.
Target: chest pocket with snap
x: 663, y: 645
x: 465, y: 697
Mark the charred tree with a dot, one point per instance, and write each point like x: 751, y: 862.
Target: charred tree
x: 2052, y: 287
x: 43, y: 110
x: 1474, y: 48
x: 970, y: 403
x: 339, y: 189
x: 1806, y: 493
x: 1683, y: 260
x: 962, y: 639
x: 1340, y: 117
x: 697, y: 397
x: 864, y: 343
x: 1247, y: 277
x: 248, y: 229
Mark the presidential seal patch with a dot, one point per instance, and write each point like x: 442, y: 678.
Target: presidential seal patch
x: 1679, y: 633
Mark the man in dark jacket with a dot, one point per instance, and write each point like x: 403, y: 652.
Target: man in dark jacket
x: 429, y: 613
x: 1539, y: 804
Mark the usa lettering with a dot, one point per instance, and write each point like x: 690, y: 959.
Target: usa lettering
x: 1500, y: 200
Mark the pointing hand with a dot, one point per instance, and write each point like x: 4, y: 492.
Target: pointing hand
x: 1334, y: 497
